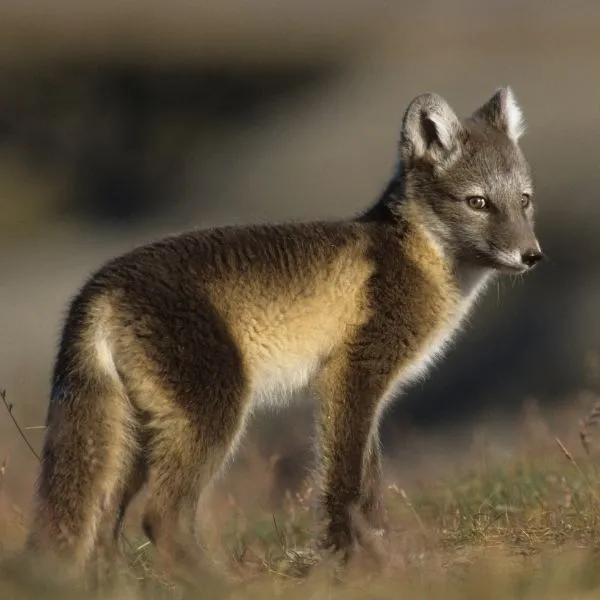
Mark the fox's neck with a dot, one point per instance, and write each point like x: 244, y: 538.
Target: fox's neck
x: 392, y: 208
x: 473, y: 280
x: 470, y: 279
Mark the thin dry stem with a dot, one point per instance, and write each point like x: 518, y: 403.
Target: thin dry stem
x: 572, y: 460
x: 9, y: 408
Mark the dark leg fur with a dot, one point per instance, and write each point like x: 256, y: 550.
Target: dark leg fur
x: 104, y: 573
x: 371, y: 504
x: 352, y: 385
x: 190, y: 385
x: 113, y: 519
x: 185, y: 456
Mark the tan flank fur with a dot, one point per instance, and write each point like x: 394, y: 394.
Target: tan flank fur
x: 167, y: 349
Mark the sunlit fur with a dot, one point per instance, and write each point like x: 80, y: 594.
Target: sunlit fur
x: 168, y: 349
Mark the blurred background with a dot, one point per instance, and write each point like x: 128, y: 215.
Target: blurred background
x: 124, y: 121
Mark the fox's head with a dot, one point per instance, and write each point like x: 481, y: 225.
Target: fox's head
x: 469, y: 182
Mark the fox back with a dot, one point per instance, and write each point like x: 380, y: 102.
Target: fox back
x: 167, y: 349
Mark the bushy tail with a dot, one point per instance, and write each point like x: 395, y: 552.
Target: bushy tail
x: 87, y: 450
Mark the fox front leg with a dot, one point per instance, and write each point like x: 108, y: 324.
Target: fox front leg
x: 371, y: 497
x: 351, y: 391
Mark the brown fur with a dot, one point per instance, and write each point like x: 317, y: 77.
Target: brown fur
x: 167, y: 349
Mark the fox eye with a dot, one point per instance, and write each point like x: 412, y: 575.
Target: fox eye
x: 525, y: 200
x: 477, y: 202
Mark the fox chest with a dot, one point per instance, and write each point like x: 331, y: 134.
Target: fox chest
x: 285, y: 344
x: 431, y: 350
x: 444, y: 330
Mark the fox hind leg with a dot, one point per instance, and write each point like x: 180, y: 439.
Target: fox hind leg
x: 191, y: 382
x: 185, y: 457
x: 113, y: 517
x: 109, y: 563
x: 187, y: 439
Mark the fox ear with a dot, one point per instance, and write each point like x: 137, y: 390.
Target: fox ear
x: 431, y: 131
x: 502, y: 112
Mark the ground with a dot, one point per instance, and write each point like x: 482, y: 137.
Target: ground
x: 514, y: 512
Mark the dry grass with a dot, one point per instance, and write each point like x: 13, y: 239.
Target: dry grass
x: 520, y: 523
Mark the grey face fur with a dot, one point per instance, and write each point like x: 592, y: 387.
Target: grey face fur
x: 471, y: 182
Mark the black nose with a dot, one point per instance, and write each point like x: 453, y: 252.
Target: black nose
x: 531, y: 257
